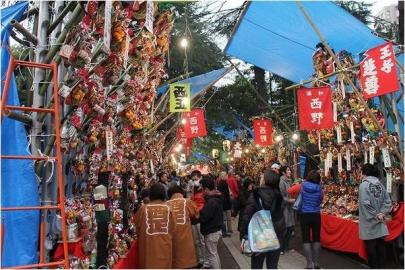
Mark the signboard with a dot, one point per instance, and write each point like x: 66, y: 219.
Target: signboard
x: 194, y: 123
x: 179, y: 97
x: 262, y: 129
x: 378, y: 71
x: 315, y: 108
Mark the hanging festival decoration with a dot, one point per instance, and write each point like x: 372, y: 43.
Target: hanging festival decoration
x: 262, y: 130
x: 179, y: 97
x: 187, y: 143
x: 378, y: 72
x: 315, y: 108
x: 194, y: 123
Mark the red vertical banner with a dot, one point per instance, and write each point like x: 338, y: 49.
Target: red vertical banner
x: 315, y: 108
x: 186, y: 142
x: 262, y: 130
x: 378, y: 71
x: 194, y: 123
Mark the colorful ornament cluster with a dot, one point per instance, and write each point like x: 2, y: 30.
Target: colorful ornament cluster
x: 109, y: 96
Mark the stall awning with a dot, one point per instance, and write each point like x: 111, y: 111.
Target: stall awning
x: 200, y: 82
x: 275, y: 36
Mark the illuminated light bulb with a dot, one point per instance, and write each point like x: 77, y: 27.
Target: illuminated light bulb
x: 279, y: 138
x: 184, y: 43
x: 295, y: 136
x: 247, y: 151
x: 183, y: 121
x: 263, y: 151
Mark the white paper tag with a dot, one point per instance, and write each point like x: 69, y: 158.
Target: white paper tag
x: 389, y: 182
x: 339, y: 134
x: 126, y: 51
x: 329, y: 159
x: 340, y: 161
x: 352, y: 135
x: 64, y: 91
x: 99, y: 207
x: 107, y: 24
x: 99, y: 196
x: 109, y: 143
x: 372, y: 151
x: 386, y: 158
x: 152, y: 168
x: 326, y: 168
x: 365, y: 157
x: 319, y: 140
x: 348, y: 160
x: 334, y: 111
x: 149, y: 16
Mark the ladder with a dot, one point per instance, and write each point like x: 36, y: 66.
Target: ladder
x: 58, y: 159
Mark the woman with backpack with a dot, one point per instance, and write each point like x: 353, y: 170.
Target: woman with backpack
x: 310, y: 217
x: 267, y: 197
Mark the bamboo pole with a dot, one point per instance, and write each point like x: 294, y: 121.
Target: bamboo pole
x: 23, y: 118
x: 61, y: 15
x: 321, y: 78
x: 76, y: 16
x: 350, y: 82
x: 27, y: 34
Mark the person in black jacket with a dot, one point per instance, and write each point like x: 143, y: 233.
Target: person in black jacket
x: 226, y: 204
x: 272, y: 200
x: 245, y: 191
x: 211, y: 220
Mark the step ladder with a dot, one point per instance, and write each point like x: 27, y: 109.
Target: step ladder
x: 58, y: 159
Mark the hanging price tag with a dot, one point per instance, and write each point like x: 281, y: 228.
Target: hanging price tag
x: 334, y: 111
x: 319, y: 140
x: 329, y: 159
x: 348, y: 160
x: 372, y: 151
x: 107, y: 25
x: 389, y: 182
x: 386, y: 158
x: 99, y: 207
x: 149, y: 16
x: 326, y: 168
x: 340, y: 162
x: 339, y: 134
x: 152, y: 167
x: 109, y: 143
x: 365, y: 157
x: 352, y: 135
x: 64, y: 91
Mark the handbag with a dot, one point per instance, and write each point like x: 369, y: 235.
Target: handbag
x: 298, y: 202
x: 261, y: 234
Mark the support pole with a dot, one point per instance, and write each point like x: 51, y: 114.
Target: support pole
x: 350, y: 82
x: 61, y: 15
x: 27, y: 34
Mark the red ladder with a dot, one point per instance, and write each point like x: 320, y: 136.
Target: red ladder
x: 58, y: 158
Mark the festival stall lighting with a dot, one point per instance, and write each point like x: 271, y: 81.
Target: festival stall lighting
x: 279, y: 138
x: 263, y: 151
x: 183, y: 121
x: 184, y: 43
x: 246, y: 151
x: 295, y: 136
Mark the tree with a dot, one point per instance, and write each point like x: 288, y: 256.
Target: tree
x: 202, y: 52
x: 359, y: 9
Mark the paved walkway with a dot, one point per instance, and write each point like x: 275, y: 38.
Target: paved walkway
x: 290, y: 260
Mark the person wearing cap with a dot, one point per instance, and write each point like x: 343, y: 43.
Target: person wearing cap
x: 275, y: 168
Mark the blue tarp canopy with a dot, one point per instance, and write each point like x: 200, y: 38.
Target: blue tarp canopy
x: 275, y: 36
x: 18, y: 184
x: 200, y: 82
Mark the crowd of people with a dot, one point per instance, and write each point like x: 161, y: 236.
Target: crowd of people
x: 181, y: 220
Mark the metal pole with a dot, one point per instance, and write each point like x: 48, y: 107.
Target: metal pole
x: 350, y: 82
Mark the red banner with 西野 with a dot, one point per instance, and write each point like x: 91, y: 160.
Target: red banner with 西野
x: 194, y: 125
x: 315, y: 108
x: 181, y: 139
x: 262, y: 130
x: 378, y: 71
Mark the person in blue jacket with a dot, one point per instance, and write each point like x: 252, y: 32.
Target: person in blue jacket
x: 310, y: 218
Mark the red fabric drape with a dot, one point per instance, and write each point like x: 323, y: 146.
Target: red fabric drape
x: 74, y: 249
x: 343, y: 234
x: 131, y: 261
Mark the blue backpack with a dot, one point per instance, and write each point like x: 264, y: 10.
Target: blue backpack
x: 261, y: 234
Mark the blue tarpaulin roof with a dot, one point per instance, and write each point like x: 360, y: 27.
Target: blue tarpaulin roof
x: 200, y: 82
x: 275, y: 36
x: 18, y: 185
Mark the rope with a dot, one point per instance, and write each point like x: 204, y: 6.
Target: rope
x: 48, y: 159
